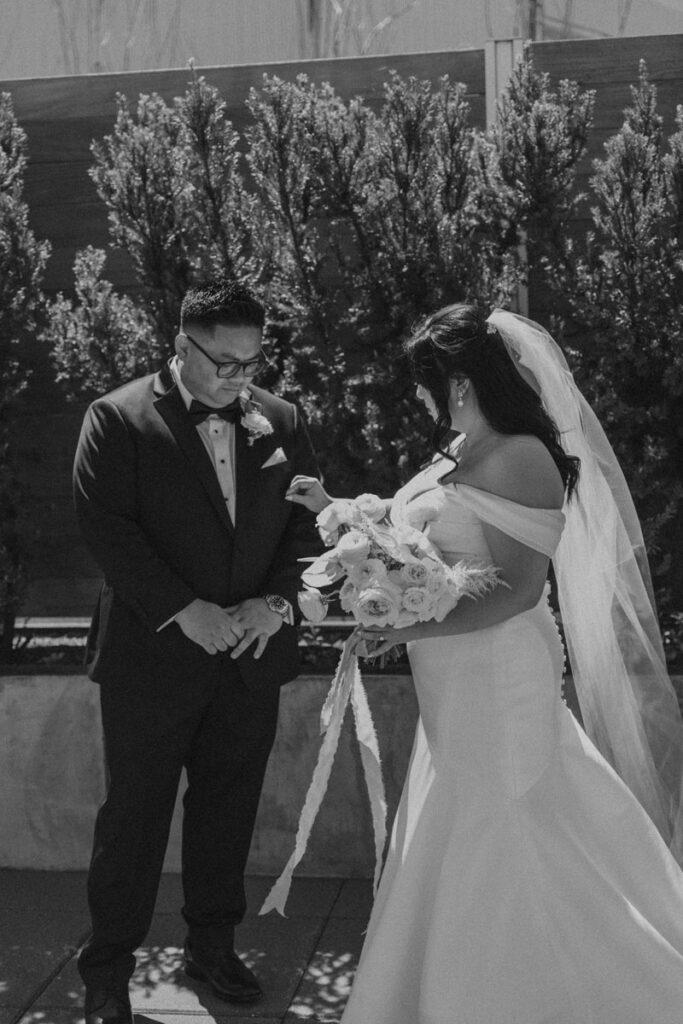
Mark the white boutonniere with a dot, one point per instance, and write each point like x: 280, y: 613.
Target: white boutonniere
x: 253, y: 419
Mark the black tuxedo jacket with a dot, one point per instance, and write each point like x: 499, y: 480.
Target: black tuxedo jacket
x: 154, y: 518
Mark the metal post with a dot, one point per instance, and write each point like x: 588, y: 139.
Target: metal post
x: 500, y: 57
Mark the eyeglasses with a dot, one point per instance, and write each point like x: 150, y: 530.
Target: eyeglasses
x: 232, y: 367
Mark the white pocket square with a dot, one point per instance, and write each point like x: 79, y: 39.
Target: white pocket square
x: 275, y: 459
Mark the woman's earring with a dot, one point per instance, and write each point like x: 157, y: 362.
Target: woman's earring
x: 461, y: 394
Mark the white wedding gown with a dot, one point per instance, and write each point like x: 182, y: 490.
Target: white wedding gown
x: 524, y: 883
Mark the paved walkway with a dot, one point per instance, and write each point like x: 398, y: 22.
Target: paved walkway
x: 305, y: 961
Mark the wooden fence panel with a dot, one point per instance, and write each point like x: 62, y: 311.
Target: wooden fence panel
x: 597, y: 63
x: 610, y: 67
x: 62, y: 116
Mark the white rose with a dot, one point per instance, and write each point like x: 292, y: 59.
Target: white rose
x: 353, y: 547
x: 411, y: 545
x: 337, y: 513
x: 379, y: 604
x: 312, y: 604
x: 371, y: 506
x: 256, y: 423
x: 368, y: 572
x: 415, y: 573
x: 419, y: 513
x: 418, y: 601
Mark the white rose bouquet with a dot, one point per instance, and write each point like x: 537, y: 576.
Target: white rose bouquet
x: 392, y: 576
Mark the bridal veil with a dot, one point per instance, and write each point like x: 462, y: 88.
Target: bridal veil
x: 628, y: 704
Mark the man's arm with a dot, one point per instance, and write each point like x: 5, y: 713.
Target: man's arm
x: 105, y: 500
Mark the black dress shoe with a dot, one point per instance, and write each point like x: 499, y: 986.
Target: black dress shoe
x: 229, y: 978
x: 105, y: 1007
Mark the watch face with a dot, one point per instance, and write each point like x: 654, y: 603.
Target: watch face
x: 276, y: 603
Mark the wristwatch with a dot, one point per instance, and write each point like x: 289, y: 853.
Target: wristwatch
x: 278, y: 604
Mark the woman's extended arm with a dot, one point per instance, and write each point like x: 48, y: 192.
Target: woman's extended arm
x: 308, y: 491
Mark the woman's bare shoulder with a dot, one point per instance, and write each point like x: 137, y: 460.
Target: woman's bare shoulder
x: 521, y: 469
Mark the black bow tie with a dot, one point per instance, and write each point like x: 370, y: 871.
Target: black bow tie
x: 199, y: 412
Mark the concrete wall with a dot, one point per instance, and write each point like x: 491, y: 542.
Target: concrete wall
x: 51, y: 770
x: 52, y: 776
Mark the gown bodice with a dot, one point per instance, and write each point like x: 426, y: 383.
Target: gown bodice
x: 516, y: 730
x: 452, y: 516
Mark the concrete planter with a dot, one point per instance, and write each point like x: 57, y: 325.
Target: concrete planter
x: 52, y: 776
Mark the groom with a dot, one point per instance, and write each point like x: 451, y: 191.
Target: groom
x: 180, y: 482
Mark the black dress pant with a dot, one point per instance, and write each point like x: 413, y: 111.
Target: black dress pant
x: 222, y: 734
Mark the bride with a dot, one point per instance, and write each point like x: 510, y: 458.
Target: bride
x: 531, y: 876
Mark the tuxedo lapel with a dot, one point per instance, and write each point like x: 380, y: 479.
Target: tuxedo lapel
x: 170, y: 406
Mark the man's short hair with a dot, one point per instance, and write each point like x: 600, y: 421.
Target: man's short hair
x: 224, y: 304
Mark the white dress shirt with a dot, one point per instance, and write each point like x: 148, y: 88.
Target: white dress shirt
x: 218, y: 437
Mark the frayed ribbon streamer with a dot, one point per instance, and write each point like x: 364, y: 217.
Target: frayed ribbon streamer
x: 346, y: 686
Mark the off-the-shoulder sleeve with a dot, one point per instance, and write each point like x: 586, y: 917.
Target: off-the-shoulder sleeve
x: 538, y: 528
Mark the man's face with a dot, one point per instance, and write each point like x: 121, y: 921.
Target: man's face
x: 198, y: 373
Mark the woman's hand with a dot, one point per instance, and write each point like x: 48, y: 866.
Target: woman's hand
x: 372, y: 641
x: 308, y: 491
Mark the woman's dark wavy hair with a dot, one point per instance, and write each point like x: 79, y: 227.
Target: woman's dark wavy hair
x: 454, y: 343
